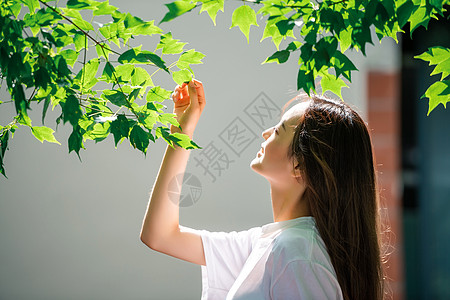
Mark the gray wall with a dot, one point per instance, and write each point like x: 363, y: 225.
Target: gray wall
x: 70, y: 230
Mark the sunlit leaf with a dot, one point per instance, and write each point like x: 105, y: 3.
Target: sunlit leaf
x: 188, y: 58
x: 183, y: 141
x: 140, y: 77
x: 43, y: 133
x: 212, y: 7
x: 439, y: 56
x: 158, y: 94
x: 182, y: 76
x: 104, y: 9
x: 170, y: 45
x: 243, y: 17
x: 176, y: 9
x: 332, y: 83
x: 438, y: 93
x: 70, y: 56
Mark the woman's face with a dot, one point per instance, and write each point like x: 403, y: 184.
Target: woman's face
x: 272, y: 160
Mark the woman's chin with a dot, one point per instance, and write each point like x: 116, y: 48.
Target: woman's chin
x: 255, y: 164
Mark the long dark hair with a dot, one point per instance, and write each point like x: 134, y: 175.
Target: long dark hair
x: 333, y: 153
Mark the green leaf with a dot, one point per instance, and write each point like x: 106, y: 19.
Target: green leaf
x: 443, y: 67
x: 305, y: 81
x: 332, y: 83
x: 104, y: 9
x: 120, y: 129
x: 4, y: 138
x: 72, y: 110
x: 87, y: 75
x: 182, y: 76
x: 24, y: 119
x: 273, y: 30
x: 361, y: 36
x: 134, y: 94
x: 135, y: 56
x: 45, y: 108
x: 103, y: 50
x: 16, y: 8
x: 70, y: 56
x: 279, y: 56
x: 332, y: 19
x: 42, y: 78
x: 85, y: 25
x: 420, y: 17
x: 437, y: 93
x: 158, y: 94
x: 168, y: 118
x: 183, y: 140
x: 438, y: 56
x: 116, y: 97
x: 43, y: 133
x: 243, y: 17
x: 138, y: 26
x: 123, y: 72
x: 293, y: 46
x: 146, y: 117
x: 176, y: 9
x: 404, y: 12
x: 76, y: 141
x: 140, y: 77
x: 435, y: 55
x: 80, y: 41
x: 155, y: 106
x: 342, y: 65
x: 98, y: 132
x: 32, y: 5
x: 81, y: 4
x: 108, y: 73
x: 188, y: 58
x: 212, y: 7
x: 139, y: 138
x: 170, y: 45
x: 20, y: 102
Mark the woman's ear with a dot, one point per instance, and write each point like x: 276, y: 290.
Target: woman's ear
x: 296, y: 172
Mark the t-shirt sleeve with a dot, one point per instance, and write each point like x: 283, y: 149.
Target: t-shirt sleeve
x: 225, y: 255
x: 305, y: 280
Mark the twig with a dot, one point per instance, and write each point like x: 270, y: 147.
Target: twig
x: 84, y: 32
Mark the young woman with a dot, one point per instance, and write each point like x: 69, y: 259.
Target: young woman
x: 323, y: 243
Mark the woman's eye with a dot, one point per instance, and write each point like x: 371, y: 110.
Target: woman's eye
x: 276, y: 130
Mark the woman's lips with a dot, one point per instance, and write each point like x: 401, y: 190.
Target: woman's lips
x: 261, y: 152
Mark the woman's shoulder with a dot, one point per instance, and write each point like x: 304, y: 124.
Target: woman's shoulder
x: 301, y: 242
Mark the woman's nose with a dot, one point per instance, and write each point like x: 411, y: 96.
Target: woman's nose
x: 266, y: 133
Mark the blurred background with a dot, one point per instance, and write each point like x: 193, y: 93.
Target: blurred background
x: 70, y: 229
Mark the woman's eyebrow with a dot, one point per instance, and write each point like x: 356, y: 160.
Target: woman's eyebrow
x: 282, y: 125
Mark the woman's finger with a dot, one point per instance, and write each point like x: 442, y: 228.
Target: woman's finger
x: 200, y: 92
x: 193, y: 94
x: 184, y: 91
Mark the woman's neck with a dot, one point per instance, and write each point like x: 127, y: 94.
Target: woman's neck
x: 288, y: 202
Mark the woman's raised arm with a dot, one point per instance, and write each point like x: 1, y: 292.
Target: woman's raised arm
x: 160, y: 229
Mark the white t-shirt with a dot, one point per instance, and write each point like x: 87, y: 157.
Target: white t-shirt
x: 282, y: 260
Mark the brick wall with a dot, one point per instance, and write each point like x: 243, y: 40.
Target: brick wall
x: 384, y: 122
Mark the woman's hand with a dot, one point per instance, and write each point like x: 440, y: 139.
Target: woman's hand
x: 189, y: 102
